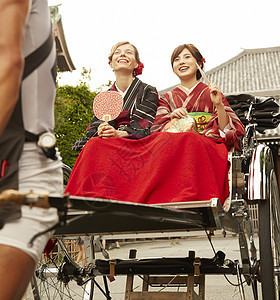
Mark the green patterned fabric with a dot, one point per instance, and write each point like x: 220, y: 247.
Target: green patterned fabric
x: 201, y: 119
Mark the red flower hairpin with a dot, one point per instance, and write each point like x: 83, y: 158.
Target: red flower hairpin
x: 139, y: 69
x: 203, y: 59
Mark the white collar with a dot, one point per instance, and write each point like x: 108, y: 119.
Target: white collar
x: 188, y: 91
x: 120, y: 91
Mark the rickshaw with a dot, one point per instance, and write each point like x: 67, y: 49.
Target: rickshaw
x: 253, y: 183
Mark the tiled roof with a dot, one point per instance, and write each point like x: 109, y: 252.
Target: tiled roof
x: 253, y: 71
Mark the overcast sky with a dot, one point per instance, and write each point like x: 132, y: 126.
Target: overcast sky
x: 220, y: 29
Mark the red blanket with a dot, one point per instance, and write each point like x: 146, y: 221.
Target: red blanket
x: 163, y: 167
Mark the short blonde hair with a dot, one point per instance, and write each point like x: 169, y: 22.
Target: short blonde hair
x: 114, y: 48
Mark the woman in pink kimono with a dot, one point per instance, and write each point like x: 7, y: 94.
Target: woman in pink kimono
x: 205, y: 103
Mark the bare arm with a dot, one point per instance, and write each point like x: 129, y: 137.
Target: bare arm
x: 12, y: 30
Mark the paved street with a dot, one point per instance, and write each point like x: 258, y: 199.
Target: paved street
x: 217, y: 286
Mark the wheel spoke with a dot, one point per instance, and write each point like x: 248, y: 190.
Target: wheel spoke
x: 55, y: 276
x: 269, y: 238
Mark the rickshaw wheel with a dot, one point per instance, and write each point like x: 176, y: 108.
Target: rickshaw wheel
x: 50, y: 279
x: 66, y: 174
x: 57, y: 277
x: 269, y: 241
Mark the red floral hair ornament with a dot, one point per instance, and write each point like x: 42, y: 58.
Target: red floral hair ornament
x: 203, y: 59
x: 139, y: 69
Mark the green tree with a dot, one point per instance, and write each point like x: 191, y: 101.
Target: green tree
x: 73, y: 113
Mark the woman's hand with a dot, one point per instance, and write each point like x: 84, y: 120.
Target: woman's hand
x: 178, y: 113
x: 216, y: 95
x: 107, y: 131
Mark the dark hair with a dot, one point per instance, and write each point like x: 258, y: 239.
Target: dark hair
x: 194, y: 52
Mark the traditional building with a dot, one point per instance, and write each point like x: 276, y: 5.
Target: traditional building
x: 64, y: 61
x: 253, y: 71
